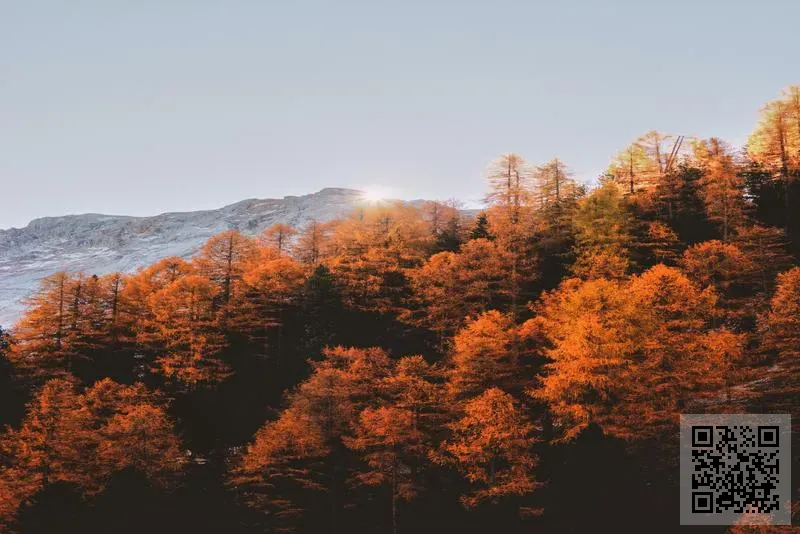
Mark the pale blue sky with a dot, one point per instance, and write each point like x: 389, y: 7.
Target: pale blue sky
x: 140, y: 107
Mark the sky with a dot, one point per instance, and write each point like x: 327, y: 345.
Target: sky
x: 143, y: 107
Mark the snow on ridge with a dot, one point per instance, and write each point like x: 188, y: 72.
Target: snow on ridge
x: 99, y: 244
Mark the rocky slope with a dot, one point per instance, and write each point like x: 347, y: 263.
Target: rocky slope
x: 100, y: 244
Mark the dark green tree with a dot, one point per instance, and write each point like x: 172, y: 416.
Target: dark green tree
x: 322, y: 310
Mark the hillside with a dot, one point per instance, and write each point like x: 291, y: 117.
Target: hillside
x: 100, y: 244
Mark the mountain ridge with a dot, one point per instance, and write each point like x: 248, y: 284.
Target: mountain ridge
x: 99, y: 243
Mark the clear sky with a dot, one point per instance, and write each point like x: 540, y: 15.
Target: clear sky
x: 140, y: 107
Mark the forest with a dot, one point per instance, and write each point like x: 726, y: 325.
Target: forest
x: 418, y: 367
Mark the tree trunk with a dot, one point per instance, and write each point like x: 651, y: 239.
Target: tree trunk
x: 394, y: 494
x: 784, y: 169
x: 60, y: 329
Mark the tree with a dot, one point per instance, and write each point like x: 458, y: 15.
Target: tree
x: 83, y: 438
x: 510, y: 218
x: 306, y: 442
x: 602, y: 219
x: 553, y: 183
x: 141, y: 436
x: 481, y: 228
x: 370, y: 252
x: 625, y: 355
x: 136, y: 314
x: 279, y: 237
x: 722, y: 186
x: 444, y: 221
x: 587, y: 328
x: 132, y: 429
x: 50, y: 444
x: 491, y: 446
x: 484, y: 354
x: 271, y: 286
x: 654, y: 242
x: 768, y: 250
x: 509, y: 180
x: 632, y: 170
x: 557, y: 196
x: 775, y: 144
x: 322, y: 310
x: 41, y: 333
x: 395, y: 437
x: 671, y: 316
x: 724, y: 267
x: 107, y: 315
x: 386, y: 436
x: 223, y: 259
x: 311, y: 242
x: 780, y: 326
x: 725, y: 350
x: 452, y: 286
x: 186, y: 331
x: 597, y: 263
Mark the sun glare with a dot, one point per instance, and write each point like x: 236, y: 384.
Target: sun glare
x: 375, y: 194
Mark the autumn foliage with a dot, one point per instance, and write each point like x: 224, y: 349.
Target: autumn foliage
x: 414, y: 358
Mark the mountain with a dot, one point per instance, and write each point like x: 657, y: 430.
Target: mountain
x: 100, y: 244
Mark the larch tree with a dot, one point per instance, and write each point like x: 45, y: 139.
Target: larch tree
x: 602, y: 219
x: 590, y: 347
x: 394, y: 438
x: 132, y: 429
x: 306, y: 442
x: 491, y: 446
x: 282, y: 461
x: 484, y: 354
x: 386, y: 438
x: 596, y: 263
x: 271, y: 286
x: 451, y: 286
x: 83, y: 438
x: 372, y: 249
x: 310, y: 245
x: 552, y: 183
x: 112, y: 287
x: 42, y: 332
x: 625, y: 355
x: 631, y: 169
x: 279, y: 236
x: 556, y: 196
x: 725, y: 350
x: 721, y: 186
x: 768, y: 249
x: 135, y: 312
x: 223, y: 259
x: 141, y: 435
x: 53, y: 443
x: 775, y: 143
x: 727, y: 269
x: 671, y: 316
x: 186, y: 331
x: 444, y: 223
x: 414, y: 385
x: 510, y: 201
x: 780, y: 326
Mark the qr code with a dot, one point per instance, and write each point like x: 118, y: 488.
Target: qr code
x: 734, y: 467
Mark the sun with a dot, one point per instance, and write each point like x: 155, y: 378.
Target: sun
x: 375, y: 194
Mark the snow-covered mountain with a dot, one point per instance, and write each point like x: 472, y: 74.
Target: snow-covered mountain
x: 100, y: 244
